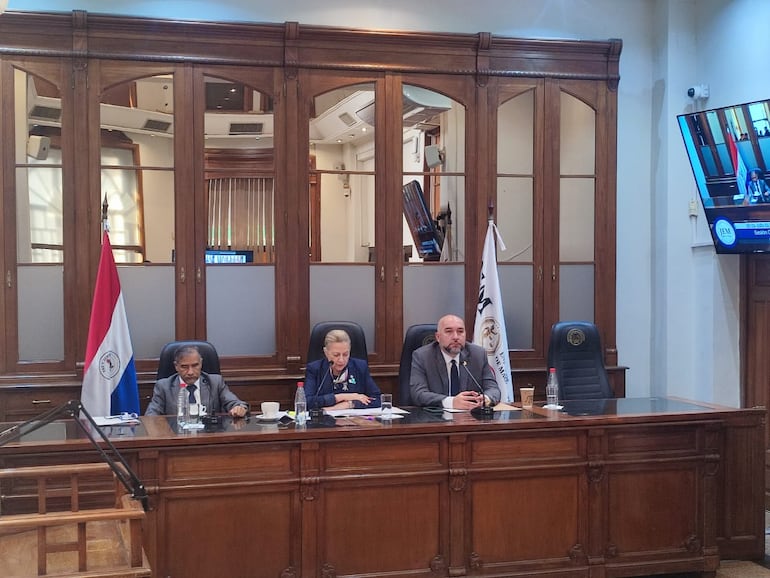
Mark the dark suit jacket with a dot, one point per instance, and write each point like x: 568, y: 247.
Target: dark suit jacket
x: 758, y: 191
x: 320, y: 388
x: 429, y: 382
x: 214, y: 394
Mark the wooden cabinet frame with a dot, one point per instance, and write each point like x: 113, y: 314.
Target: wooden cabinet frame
x: 94, y: 51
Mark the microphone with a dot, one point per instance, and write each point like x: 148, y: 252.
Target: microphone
x: 316, y: 412
x: 485, y: 411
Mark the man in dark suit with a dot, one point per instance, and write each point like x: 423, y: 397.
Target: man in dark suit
x: 451, y: 373
x: 756, y: 186
x: 209, y: 390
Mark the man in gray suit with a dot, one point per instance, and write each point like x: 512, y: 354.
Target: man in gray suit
x: 451, y: 373
x: 209, y: 390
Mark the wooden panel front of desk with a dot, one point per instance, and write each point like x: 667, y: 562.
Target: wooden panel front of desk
x: 605, y: 497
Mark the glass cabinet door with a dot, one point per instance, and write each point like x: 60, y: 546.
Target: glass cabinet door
x: 343, y: 203
x: 547, y: 200
x: 240, y: 193
x: 434, y: 204
x: 137, y: 133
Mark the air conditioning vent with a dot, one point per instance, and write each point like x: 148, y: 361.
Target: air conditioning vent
x: 156, y: 125
x: 347, y: 118
x: 237, y: 128
x: 45, y: 112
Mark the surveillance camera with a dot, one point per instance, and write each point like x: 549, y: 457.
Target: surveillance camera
x: 700, y: 91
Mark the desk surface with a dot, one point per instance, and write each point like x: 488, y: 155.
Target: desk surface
x: 152, y: 430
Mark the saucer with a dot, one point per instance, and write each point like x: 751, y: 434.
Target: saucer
x: 265, y: 419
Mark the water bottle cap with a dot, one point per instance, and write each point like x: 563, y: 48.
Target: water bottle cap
x: 300, y: 384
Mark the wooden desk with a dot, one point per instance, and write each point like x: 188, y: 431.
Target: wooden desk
x: 619, y: 488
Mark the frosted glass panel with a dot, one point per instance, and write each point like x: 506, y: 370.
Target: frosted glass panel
x: 576, y: 220
x: 343, y: 293
x: 41, y: 312
x: 578, y: 137
x: 431, y: 291
x: 515, y: 209
x: 148, y: 293
x: 516, y: 284
x: 240, y: 309
x: 576, y: 293
x: 515, y: 135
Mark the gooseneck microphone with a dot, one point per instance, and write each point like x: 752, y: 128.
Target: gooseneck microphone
x: 316, y: 412
x: 486, y: 411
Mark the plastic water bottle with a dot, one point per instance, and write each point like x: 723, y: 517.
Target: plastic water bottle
x: 300, y: 404
x: 552, y: 390
x: 182, y: 406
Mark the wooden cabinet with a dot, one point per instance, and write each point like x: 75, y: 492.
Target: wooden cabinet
x: 510, y: 117
x: 23, y: 403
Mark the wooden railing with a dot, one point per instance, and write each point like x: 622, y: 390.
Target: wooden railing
x: 92, y: 542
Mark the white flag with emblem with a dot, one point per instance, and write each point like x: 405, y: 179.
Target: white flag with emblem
x: 489, y: 328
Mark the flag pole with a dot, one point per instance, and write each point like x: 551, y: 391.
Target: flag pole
x: 105, y: 219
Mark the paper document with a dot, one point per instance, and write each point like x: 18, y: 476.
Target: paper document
x: 375, y: 411
x: 122, y: 419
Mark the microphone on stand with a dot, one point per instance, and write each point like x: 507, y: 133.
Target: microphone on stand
x: 316, y: 412
x: 485, y: 411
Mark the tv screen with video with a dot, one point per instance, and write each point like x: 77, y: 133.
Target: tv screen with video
x: 729, y: 152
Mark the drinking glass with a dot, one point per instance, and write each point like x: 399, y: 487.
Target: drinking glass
x: 386, y: 405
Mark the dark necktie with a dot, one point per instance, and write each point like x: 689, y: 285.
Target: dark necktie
x: 454, y: 379
x: 191, y: 389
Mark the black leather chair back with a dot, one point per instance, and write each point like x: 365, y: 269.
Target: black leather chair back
x: 416, y: 336
x: 576, y: 352
x: 207, y: 350
x: 315, y: 349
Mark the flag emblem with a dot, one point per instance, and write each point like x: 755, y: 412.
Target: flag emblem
x: 490, y: 335
x: 109, y: 365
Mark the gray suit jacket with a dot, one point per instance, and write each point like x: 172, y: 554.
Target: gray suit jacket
x: 214, y: 394
x: 429, y: 382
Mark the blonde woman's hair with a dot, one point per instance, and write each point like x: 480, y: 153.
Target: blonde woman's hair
x: 336, y: 336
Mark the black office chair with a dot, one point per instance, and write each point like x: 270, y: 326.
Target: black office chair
x: 315, y: 348
x: 207, y: 350
x: 416, y: 336
x: 576, y: 352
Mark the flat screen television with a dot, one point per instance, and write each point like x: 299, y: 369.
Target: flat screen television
x: 729, y: 151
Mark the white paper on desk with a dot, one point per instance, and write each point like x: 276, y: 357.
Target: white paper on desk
x: 110, y: 420
x: 374, y: 411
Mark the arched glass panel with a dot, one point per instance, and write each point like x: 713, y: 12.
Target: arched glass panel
x: 137, y: 179
x: 434, y: 176
x: 342, y: 207
x: 515, y: 214
x: 576, y: 209
x: 39, y: 218
x: 433, y: 204
x: 342, y: 221
x: 240, y: 198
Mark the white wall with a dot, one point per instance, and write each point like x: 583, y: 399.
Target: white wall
x: 677, y: 327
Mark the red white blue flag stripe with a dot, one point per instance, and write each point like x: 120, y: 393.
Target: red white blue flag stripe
x: 109, y: 380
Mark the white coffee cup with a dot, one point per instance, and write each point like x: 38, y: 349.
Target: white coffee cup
x: 270, y: 409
